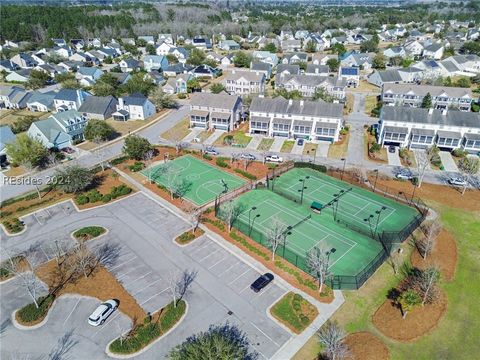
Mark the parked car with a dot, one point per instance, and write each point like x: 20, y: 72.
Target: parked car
x: 261, y: 282
x: 68, y: 150
x: 404, y: 175
x: 273, y: 158
x: 457, y: 181
x: 391, y: 149
x: 248, y: 157
x: 211, y: 151
x: 300, y: 142
x: 102, y: 312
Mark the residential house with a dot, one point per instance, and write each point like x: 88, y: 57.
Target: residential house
x: 154, y: 62
x: 98, y: 107
x: 178, y: 84
x: 130, y: 41
x: 320, y: 43
x: 181, y: 54
x: 71, y: 65
x: 8, y: 66
x: 308, y: 84
x: 431, y: 69
x: 433, y: 51
x: 261, y: 67
x: 284, y: 70
x: 295, y: 58
x: 6, y: 137
x: 175, y: 69
x: 312, y: 120
x: 422, y: 128
x: 442, y: 97
x: 215, y: 111
x: 62, y: 51
x: 202, y: 42
x: 264, y: 41
x: 414, y: 48
x: 212, y: 55
x: 122, y: 78
x: 410, y: 74
x: 229, y: 45
x: 69, y: 99
x: 134, y: 107
x: 148, y: 39
x: 59, y: 42
x: 155, y: 76
x: 381, y: 77
x: 78, y: 44
x: 466, y: 63
x: 291, y: 45
x: 108, y: 52
x: 339, y: 40
x: 88, y: 60
x: 318, y: 70
x: 95, y: 42
x: 351, y: 75
x: 266, y: 57
x: 13, y: 97
x: 205, y: 71
x: 43, y: 102
x: 22, y: 75
x: 244, y: 82
x: 301, y: 34
x: 87, y: 76
x: 129, y: 65
x: 167, y: 38
x: 286, y: 35
x: 24, y: 61
x: 60, y: 130
x: 395, y: 51
x: 322, y: 59
x: 164, y: 48
x: 227, y: 60
x: 361, y: 60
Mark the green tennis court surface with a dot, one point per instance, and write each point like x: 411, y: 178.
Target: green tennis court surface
x: 201, y: 181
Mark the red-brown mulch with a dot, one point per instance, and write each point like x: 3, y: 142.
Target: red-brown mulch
x: 419, y: 322
x: 325, y: 297
x: 366, y: 346
x: 443, y: 255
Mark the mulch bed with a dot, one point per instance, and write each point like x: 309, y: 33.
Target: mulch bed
x: 443, y: 255
x: 364, y: 345
x: 420, y: 321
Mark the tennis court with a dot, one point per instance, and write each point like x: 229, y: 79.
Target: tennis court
x: 363, y: 210
x: 350, y: 252
x: 200, y: 182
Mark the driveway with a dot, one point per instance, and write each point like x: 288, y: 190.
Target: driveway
x: 322, y: 148
x: 212, y: 138
x: 277, y: 144
x: 298, y: 149
x: 253, y: 144
x: 192, y: 134
x: 447, y: 161
x: 394, y: 158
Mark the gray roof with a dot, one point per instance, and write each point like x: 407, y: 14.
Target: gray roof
x: 450, y: 66
x: 135, y: 99
x: 390, y: 76
x: 6, y: 136
x: 248, y: 75
x: 311, y: 68
x: 311, y: 80
x: 67, y: 94
x: 422, y: 90
x: 260, y: 66
x: 433, y: 47
x: 220, y: 101
x: 280, y: 105
x: 42, y: 98
x: 97, y: 104
x: 419, y: 115
x: 292, y: 69
x: 52, y: 131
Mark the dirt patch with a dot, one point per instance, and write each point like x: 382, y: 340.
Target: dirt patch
x: 439, y: 193
x: 338, y: 150
x: 419, y: 322
x: 101, y: 285
x: 365, y: 345
x: 444, y: 255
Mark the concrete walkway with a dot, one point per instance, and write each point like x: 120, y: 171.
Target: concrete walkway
x: 212, y: 138
x: 253, y: 144
x: 193, y: 134
x: 277, y: 144
x: 447, y: 161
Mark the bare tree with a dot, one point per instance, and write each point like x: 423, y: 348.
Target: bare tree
x: 428, y: 242
x: 230, y: 210
x: 246, y: 163
x: 276, y: 234
x: 196, y: 217
x: 424, y: 159
x: 58, y: 248
x: 468, y: 166
x: 148, y: 158
x: 29, y: 281
x: 427, y: 284
x: 83, y: 259
x: 332, y: 337
x: 318, y: 259
x: 180, y: 283
x: 394, y: 261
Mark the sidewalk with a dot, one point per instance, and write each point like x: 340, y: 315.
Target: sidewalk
x: 296, y: 342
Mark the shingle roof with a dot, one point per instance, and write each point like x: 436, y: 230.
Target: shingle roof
x: 313, y: 69
x: 309, y: 108
x: 136, y: 99
x: 422, y: 90
x: 97, y: 104
x: 390, y: 76
x: 248, y: 75
x: 66, y: 94
x: 52, y: 131
x: 221, y: 101
x: 6, y: 136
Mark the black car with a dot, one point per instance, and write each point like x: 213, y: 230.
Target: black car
x: 261, y: 282
x: 300, y: 142
x: 391, y: 149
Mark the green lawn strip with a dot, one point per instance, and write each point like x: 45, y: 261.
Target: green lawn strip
x: 287, y: 146
x: 189, y: 236
x: 265, y: 144
x: 150, y: 330
x: 236, y: 138
x: 89, y: 232
x: 294, y: 311
x: 30, y: 315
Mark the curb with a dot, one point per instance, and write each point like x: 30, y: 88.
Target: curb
x: 95, y: 238
x: 141, y: 351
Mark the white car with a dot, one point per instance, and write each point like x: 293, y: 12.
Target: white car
x: 273, y: 158
x: 247, y: 157
x: 457, y: 181
x: 211, y: 151
x: 102, y: 312
x: 404, y: 176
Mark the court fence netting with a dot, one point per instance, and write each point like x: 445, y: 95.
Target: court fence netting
x: 389, y: 240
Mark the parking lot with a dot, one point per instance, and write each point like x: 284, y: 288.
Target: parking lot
x: 144, y: 230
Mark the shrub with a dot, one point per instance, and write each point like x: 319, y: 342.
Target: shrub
x: 182, y: 96
x: 222, y: 162
x: 89, y: 232
x: 106, y: 198
x: 30, y: 313
x: 228, y: 140
x: 120, y: 190
x: 137, y: 166
x: 246, y: 174
x: 207, y: 157
x: 321, y: 168
x: 119, y: 160
x: 13, y: 225
x: 94, y: 196
x: 459, y: 153
x: 374, y: 147
x: 186, y: 237
x: 82, y: 199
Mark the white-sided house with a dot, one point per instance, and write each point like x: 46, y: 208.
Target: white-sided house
x: 59, y: 130
x: 433, y: 51
x: 6, y: 137
x: 69, y: 99
x: 13, y: 97
x: 129, y: 65
x: 308, y: 84
x: 244, y: 82
x: 312, y: 120
x: 164, y: 48
x: 87, y: 76
x: 42, y: 102
x: 215, y: 111
x: 98, y: 107
x: 178, y: 85
x: 351, y: 75
x: 134, y: 107
x: 422, y: 128
x: 154, y: 62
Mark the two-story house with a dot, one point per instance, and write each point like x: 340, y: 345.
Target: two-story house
x: 215, y: 111
x: 87, y: 76
x: 69, y: 99
x: 312, y: 120
x: 154, y: 62
x: 244, y: 82
x: 43, y: 102
x: 13, y: 97
x: 129, y: 65
x: 308, y: 84
x: 98, y: 107
x: 134, y: 107
x: 178, y: 84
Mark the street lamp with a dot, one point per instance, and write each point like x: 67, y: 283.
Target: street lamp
x: 376, y: 178
x: 289, y: 232
x: 378, y: 212
x: 253, y: 222
x: 369, y: 220
x: 343, y: 170
x: 249, y: 211
x: 303, y: 187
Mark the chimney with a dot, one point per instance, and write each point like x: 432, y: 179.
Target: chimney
x: 120, y: 103
x: 430, y: 111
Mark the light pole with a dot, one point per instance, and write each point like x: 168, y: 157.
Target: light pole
x: 369, y: 220
x: 343, y: 170
x: 378, y: 212
x: 249, y: 211
x: 376, y: 178
x: 253, y: 222
x: 289, y: 232
x: 303, y: 187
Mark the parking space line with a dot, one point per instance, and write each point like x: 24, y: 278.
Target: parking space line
x: 44, y: 253
x: 263, y: 292
x: 128, y: 272
x: 218, y: 262
x: 258, y: 351
x: 207, y: 256
x: 245, y: 288
x: 151, y: 297
x: 268, y: 337
x: 71, y: 312
x: 239, y: 276
x: 146, y: 287
x: 123, y: 263
x: 200, y: 247
x: 109, y: 320
x: 141, y: 277
x: 231, y: 266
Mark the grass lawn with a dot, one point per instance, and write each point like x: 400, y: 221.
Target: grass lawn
x: 126, y: 127
x: 287, y: 146
x: 370, y: 103
x: 240, y: 139
x: 365, y: 86
x: 294, y: 311
x: 89, y: 232
x: 204, y: 135
x: 339, y: 149
x: 451, y: 339
x: 310, y: 148
x: 178, y: 132
x: 8, y: 117
x: 265, y: 144
x: 188, y: 236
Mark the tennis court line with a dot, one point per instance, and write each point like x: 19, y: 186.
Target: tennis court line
x: 345, y: 253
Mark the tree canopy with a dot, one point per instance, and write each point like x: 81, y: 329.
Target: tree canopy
x: 26, y: 150
x: 242, y: 59
x: 73, y: 179
x: 136, y: 147
x: 98, y: 130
